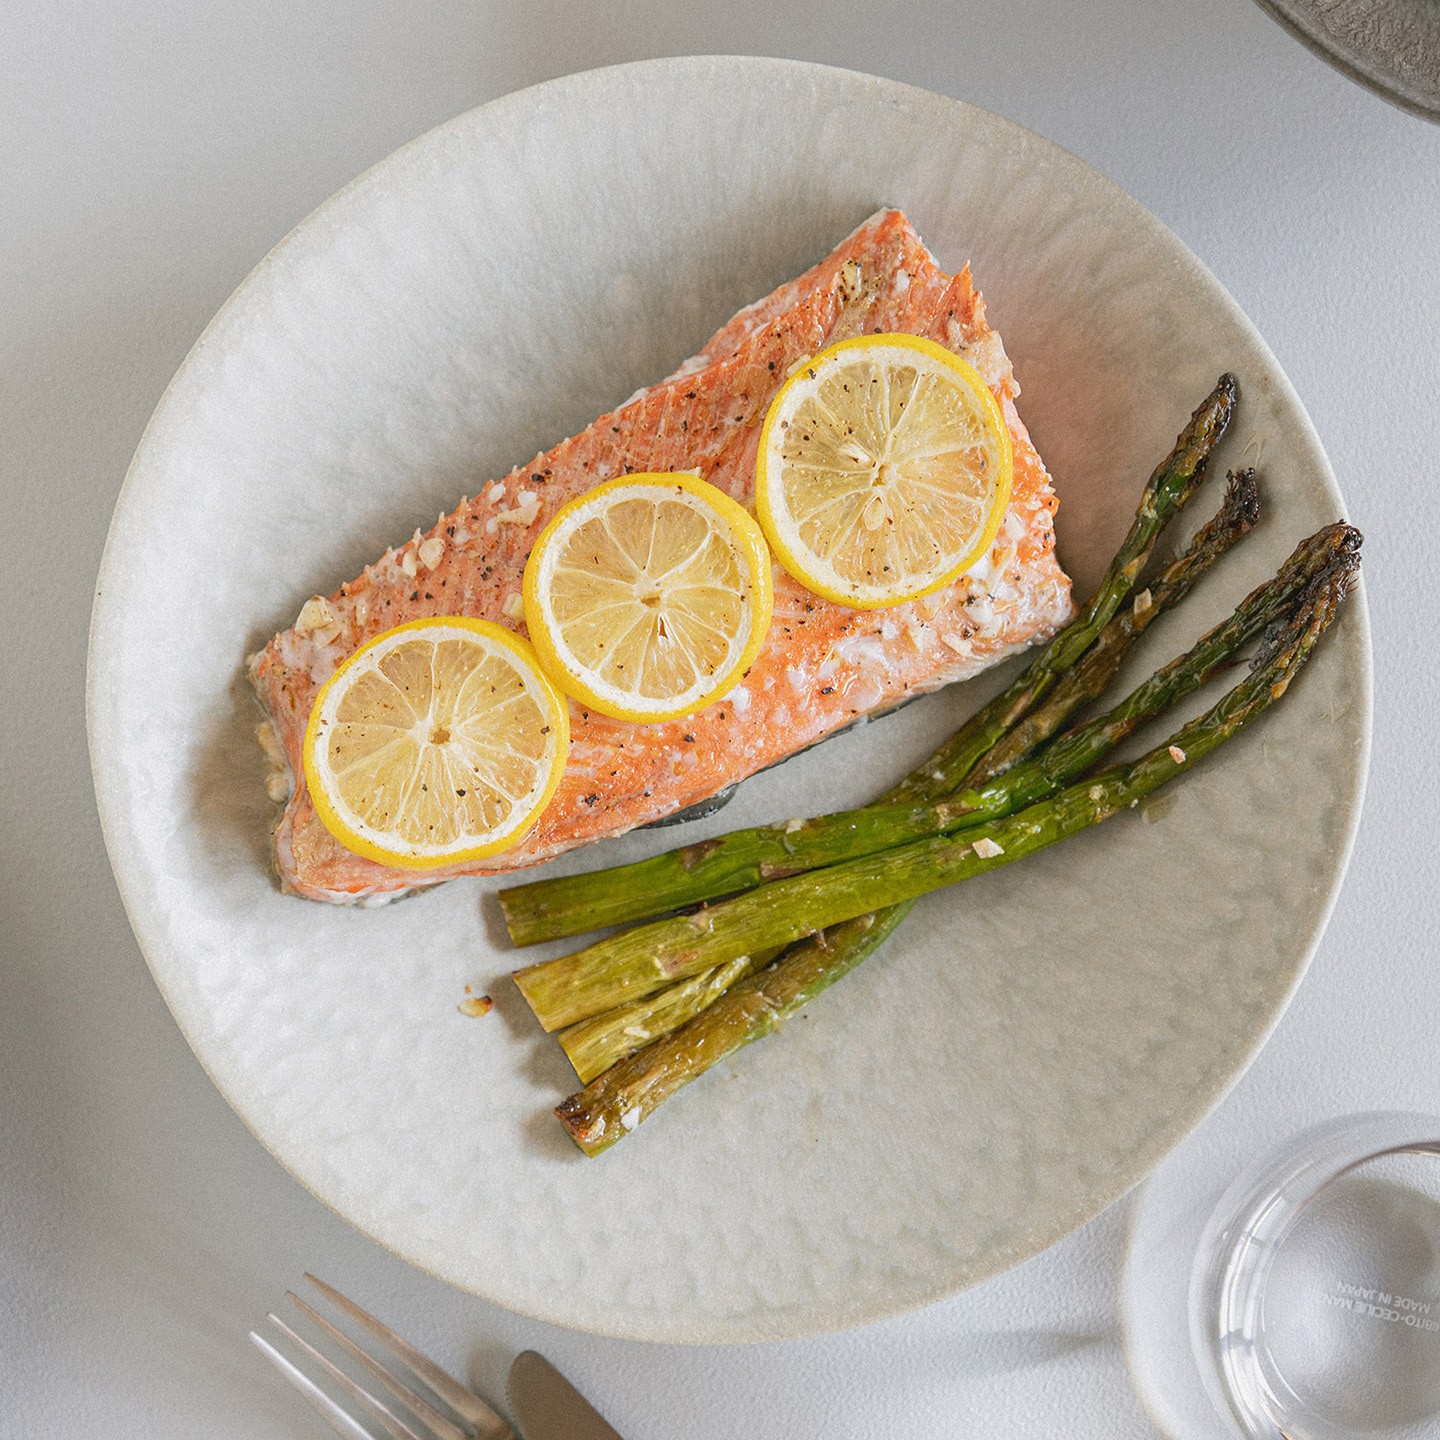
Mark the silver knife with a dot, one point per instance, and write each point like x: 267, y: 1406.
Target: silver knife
x: 548, y: 1406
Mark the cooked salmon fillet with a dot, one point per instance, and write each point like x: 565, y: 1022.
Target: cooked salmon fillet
x: 822, y: 666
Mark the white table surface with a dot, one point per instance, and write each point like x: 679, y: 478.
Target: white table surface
x: 151, y: 152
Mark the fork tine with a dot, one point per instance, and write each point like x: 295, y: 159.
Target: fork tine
x: 445, y: 1428
x: 393, y: 1425
x: 337, y: 1418
x: 449, y: 1389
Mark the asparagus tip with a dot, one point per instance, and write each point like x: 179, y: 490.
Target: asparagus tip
x: 1326, y: 592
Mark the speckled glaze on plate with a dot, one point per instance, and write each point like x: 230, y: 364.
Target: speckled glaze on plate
x: 1027, y: 1047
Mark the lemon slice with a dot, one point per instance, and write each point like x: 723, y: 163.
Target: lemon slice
x: 649, y: 597
x: 884, y: 470
x: 437, y: 742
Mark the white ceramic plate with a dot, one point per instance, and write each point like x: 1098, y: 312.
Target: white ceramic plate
x: 1023, y: 1051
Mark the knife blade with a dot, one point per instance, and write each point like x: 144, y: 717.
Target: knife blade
x: 548, y: 1406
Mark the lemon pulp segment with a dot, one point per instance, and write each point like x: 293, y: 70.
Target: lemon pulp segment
x: 440, y: 741
x: 649, y: 596
x: 884, y: 470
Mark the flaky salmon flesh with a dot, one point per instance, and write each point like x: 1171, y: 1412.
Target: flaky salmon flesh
x: 822, y: 666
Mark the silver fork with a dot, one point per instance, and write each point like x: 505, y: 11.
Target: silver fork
x: 476, y: 1420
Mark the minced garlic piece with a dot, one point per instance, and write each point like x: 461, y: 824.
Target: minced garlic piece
x: 270, y: 743
x: 315, y: 614
x: 521, y: 515
x: 986, y: 848
x: 1177, y: 754
x: 514, y: 606
x: 431, y: 551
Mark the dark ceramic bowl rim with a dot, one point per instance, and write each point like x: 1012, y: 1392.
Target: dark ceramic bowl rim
x: 1364, y: 68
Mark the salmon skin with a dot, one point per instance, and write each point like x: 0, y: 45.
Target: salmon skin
x: 822, y: 667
